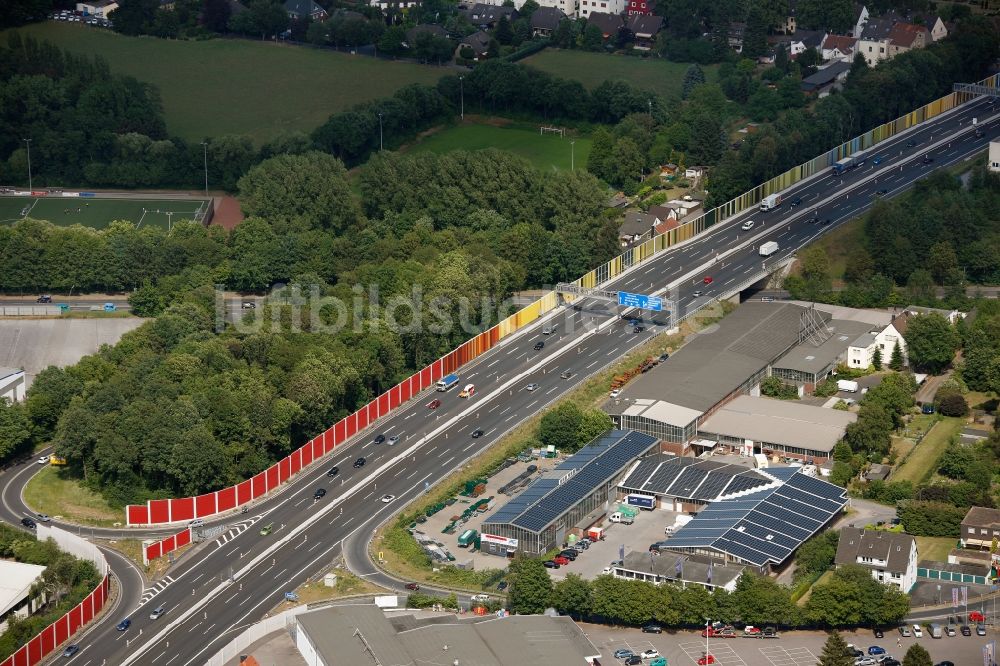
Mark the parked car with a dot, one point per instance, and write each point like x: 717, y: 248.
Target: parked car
x: 623, y: 653
x: 614, y: 394
x: 980, y: 630
x: 651, y: 653
x: 706, y: 659
x: 502, y: 585
x: 248, y: 305
x: 966, y: 630
x: 878, y: 633
x: 197, y: 522
x: 634, y: 660
x: 904, y: 631
x: 865, y: 661
x: 854, y: 652
x: 876, y: 650
x: 569, y: 554
x: 917, y: 631
x: 333, y: 471
x: 359, y: 463
x: 560, y: 560
x: 652, y: 628
x: 550, y: 564
x: 480, y: 597
x: 319, y: 494
x: 124, y: 624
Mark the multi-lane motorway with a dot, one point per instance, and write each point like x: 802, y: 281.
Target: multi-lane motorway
x: 228, y: 584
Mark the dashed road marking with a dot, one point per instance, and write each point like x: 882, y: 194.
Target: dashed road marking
x: 155, y: 589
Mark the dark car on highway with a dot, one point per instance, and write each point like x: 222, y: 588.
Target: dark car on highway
x: 881, y: 193
x: 477, y: 433
x: 797, y: 201
x: 378, y: 439
x: 29, y: 523
x: 359, y: 463
x: 539, y: 345
x: 927, y: 159
x: 333, y: 471
x: 124, y: 624
x: 70, y: 651
x: 319, y: 494
x: 44, y: 299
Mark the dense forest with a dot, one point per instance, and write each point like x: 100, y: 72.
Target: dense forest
x: 179, y: 407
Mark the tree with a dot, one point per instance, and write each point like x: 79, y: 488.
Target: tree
x: 835, y: 651
x: 931, y: 342
x: 146, y: 301
x: 135, y: 17
x: 530, y: 591
x: 917, y: 655
x: 215, y: 15
x: 877, y: 359
x: 927, y: 518
x: 15, y: 433
x: 572, y: 596
x: 953, y: 404
x: 392, y: 39
x: 692, y: 77
x: 503, y: 33
x: 896, y: 360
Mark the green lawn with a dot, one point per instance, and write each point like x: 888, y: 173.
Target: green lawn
x: 53, y: 492
x: 934, y: 548
x: 98, y: 213
x: 547, y: 152
x: 924, y: 458
x: 592, y: 69
x: 222, y: 86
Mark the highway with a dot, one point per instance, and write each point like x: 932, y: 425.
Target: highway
x: 228, y: 584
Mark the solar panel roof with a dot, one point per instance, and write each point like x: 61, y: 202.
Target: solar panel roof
x: 547, y: 499
x: 690, y: 478
x: 766, y: 525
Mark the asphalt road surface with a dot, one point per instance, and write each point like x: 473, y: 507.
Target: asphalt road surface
x: 229, y: 584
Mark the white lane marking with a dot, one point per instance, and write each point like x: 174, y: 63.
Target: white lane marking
x: 471, y: 375
x: 463, y: 451
x: 551, y: 390
x: 508, y: 418
x: 592, y: 364
x: 445, y: 463
x: 368, y: 495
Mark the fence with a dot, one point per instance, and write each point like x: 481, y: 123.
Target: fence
x: 170, y: 544
x: 46, y: 642
x: 202, y: 506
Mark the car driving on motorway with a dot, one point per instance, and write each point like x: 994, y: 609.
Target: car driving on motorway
x: 477, y: 433
x: 387, y: 498
x: 319, y: 494
x: 531, y: 387
x: 359, y: 463
x: 333, y: 471
x: 157, y: 612
x: 124, y: 624
x: 434, y: 404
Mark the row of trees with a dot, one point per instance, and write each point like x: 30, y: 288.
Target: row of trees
x: 851, y: 598
x: 65, y: 582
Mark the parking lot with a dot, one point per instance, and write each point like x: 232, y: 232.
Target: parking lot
x: 798, y: 648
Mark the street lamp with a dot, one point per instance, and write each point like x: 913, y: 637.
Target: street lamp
x: 461, y: 90
x: 572, y: 156
x: 27, y: 142
x: 204, y: 147
x: 380, y: 131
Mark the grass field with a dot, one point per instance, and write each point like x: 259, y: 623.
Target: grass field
x: 98, y: 213
x: 548, y: 152
x: 215, y: 87
x: 51, y: 493
x: 924, y: 458
x: 934, y: 548
x: 592, y: 69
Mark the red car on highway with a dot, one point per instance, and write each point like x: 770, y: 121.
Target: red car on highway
x: 707, y: 279
x: 434, y: 404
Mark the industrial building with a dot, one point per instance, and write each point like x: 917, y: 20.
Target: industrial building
x: 683, y: 570
x: 16, y: 581
x: 363, y: 634
x: 764, y: 527
x: 676, y: 401
x: 689, y: 484
x: 575, y: 495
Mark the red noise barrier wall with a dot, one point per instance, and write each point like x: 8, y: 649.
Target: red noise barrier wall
x: 45, y: 643
x: 171, y: 543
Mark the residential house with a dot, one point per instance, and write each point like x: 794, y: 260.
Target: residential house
x: 487, y: 16
x: 99, y: 8
x: 803, y: 39
x: 640, y: 7
x: 668, y: 170
x: 861, y: 352
x: 736, y: 30
x: 644, y: 28
x: 861, y: 12
x: 907, y: 36
x: 980, y: 527
x: 838, y: 47
x: 300, y: 9
x: 693, y: 172
x: 883, y: 39
x: 612, y: 7
x: 936, y: 28
x: 877, y: 472
x: 422, y: 29
x: 609, y: 24
x: 951, y: 315
x: 820, y: 83
x: 570, y: 8
x: 993, y: 162
x: 676, y: 209
x: 890, y: 556
x: 479, y: 42
x: 545, y: 20
x: 395, y: 7
x: 618, y: 201
x: 637, y: 226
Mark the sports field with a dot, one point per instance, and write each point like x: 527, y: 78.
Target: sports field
x: 548, y: 152
x: 226, y: 86
x: 592, y: 69
x: 98, y: 213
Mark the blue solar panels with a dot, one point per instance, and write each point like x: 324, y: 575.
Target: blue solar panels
x: 767, y: 525
x: 602, y: 461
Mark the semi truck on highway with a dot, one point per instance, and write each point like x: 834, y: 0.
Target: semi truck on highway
x: 768, y: 248
x: 848, y: 163
x: 770, y: 202
x: 447, y: 382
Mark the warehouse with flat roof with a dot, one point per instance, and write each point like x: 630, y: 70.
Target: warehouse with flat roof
x: 688, y: 484
x: 750, y: 424
x: 573, y: 495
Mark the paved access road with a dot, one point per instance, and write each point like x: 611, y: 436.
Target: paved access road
x: 205, y: 609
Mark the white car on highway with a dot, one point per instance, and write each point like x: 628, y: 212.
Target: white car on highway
x: 387, y: 498
x: 531, y: 387
x: 747, y: 226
